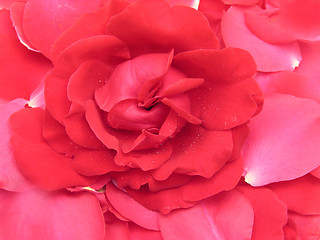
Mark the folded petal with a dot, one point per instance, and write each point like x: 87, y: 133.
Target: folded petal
x: 285, y: 132
x: 307, y: 227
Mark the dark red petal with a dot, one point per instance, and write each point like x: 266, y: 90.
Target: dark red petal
x: 11, y: 178
x: 91, y: 162
x: 21, y: 69
x: 301, y: 195
x: 86, y: 79
x: 197, y: 151
x: 36, y: 159
x: 55, y: 135
x: 79, y: 131
x: 181, y: 28
x: 270, y: 214
x: 145, y: 159
x: 131, y: 209
x: 88, y: 25
x: 228, y: 215
x: 35, y: 214
x: 197, y: 189
x: 45, y: 21
x: 131, y: 77
x: 228, y: 97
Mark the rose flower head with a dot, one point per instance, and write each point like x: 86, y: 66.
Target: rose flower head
x: 140, y: 96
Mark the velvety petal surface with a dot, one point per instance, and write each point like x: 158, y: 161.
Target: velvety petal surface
x: 56, y: 215
x: 307, y: 227
x: 269, y: 58
x: 285, y: 132
x: 21, y: 70
x: 228, y: 215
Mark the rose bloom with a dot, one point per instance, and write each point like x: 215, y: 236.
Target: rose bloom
x: 144, y: 115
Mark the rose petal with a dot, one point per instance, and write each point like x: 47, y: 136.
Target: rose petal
x: 308, y: 227
x: 131, y: 209
x: 38, y: 162
x: 181, y: 28
x: 269, y: 58
x: 197, y: 151
x: 301, y: 195
x: 270, y: 214
x: 21, y: 69
x: 228, y: 97
x: 240, y: 2
x: 139, y: 233
x: 286, y: 131
x: 35, y: 214
x: 11, y: 178
x: 44, y: 21
x: 7, y: 3
x: 226, y: 216
x: 310, y: 59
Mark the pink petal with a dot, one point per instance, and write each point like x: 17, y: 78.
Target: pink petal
x: 10, y: 177
x: 269, y: 58
x: 21, y: 69
x: 45, y: 21
x: 310, y: 59
x: 228, y: 215
x: 270, y: 214
x: 240, y: 2
x: 139, y: 233
x: 7, y: 3
x: 130, y: 209
x: 59, y: 215
x: 286, y: 131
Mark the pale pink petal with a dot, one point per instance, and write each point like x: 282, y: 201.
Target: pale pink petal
x: 130, y: 209
x: 39, y: 215
x: 228, y: 215
x: 284, y: 139
x: 269, y: 58
x: 10, y: 177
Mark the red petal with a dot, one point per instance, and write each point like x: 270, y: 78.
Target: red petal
x: 131, y: 209
x: 45, y: 21
x: 7, y: 3
x: 129, y: 77
x: 301, y: 195
x: 181, y: 28
x: 211, y: 149
x: 274, y: 148
x: 240, y: 2
x: 270, y: 214
x: 88, y: 25
x: 196, y: 189
x: 226, y: 216
x: 45, y: 215
x: 227, y: 97
x: 36, y: 159
x: 139, y: 233
x: 10, y: 177
x: 310, y: 59
x: 91, y: 163
x: 13, y: 55
x: 308, y: 227
x: 269, y: 58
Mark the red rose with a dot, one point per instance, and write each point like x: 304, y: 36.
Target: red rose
x: 150, y: 103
